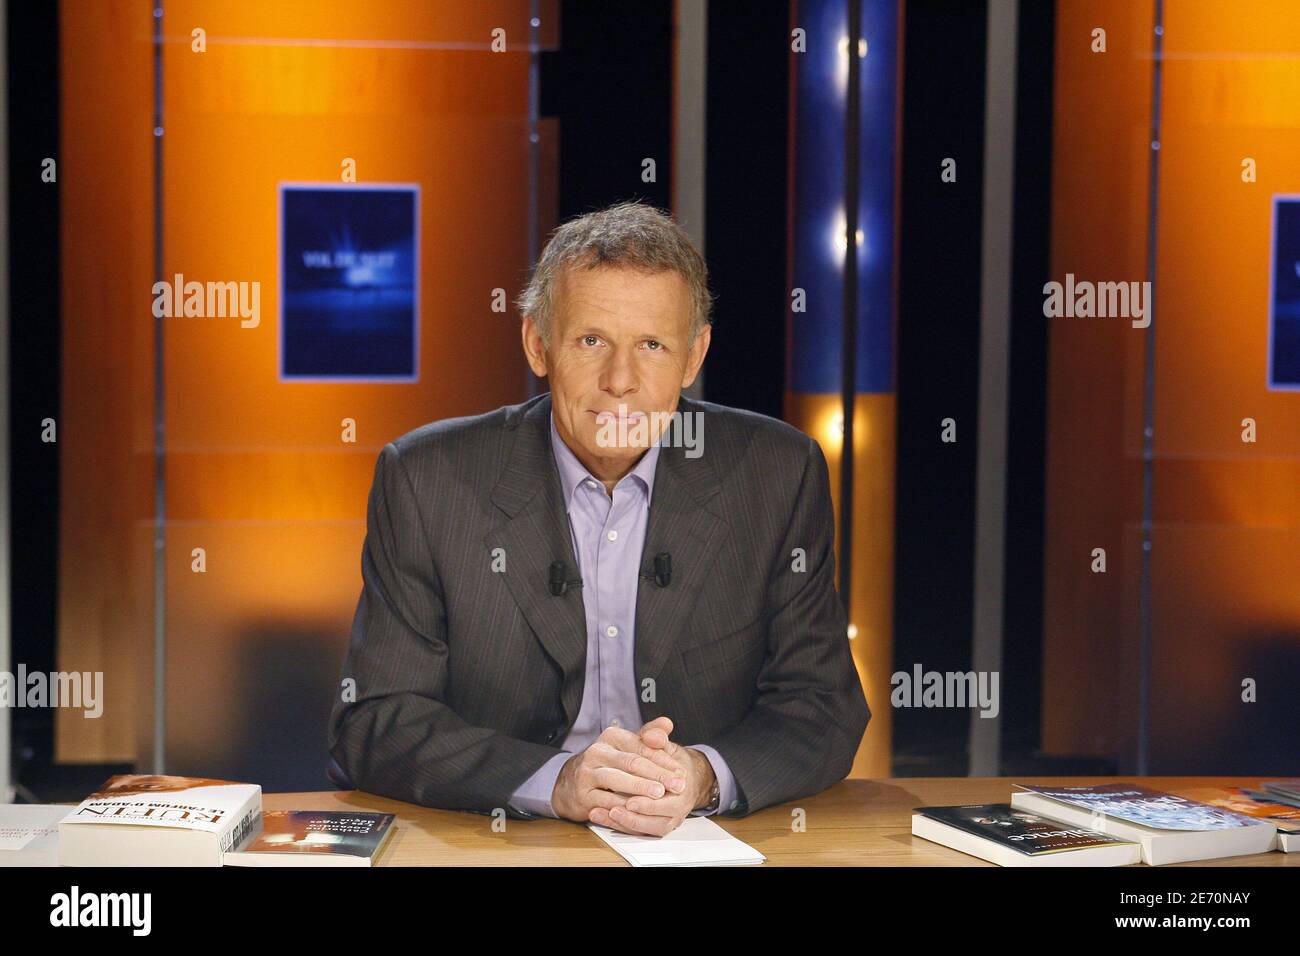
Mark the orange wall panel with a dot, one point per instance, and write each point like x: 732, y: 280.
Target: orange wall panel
x: 1226, y: 514
x: 265, y: 482
x: 257, y: 472
x: 1226, y: 559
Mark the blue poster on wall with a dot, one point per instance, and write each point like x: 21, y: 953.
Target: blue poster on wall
x: 1284, y: 296
x: 349, y: 296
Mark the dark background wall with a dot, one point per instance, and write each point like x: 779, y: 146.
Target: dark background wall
x: 32, y: 56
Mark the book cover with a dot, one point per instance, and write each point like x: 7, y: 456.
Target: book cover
x: 1290, y: 789
x: 316, y: 833
x: 1019, y: 830
x: 185, y: 803
x: 1146, y: 807
x: 1285, y: 817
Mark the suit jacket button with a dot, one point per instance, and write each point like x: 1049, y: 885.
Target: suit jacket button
x: 550, y: 736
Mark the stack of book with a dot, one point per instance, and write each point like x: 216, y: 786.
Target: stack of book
x: 1001, y: 834
x: 1277, y: 802
x: 1105, y: 825
x: 154, y: 820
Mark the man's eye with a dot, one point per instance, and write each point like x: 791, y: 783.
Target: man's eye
x: 655, y: 343
x: 592, y: 339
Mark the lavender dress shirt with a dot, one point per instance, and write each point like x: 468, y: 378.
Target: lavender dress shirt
x: 608, y: 536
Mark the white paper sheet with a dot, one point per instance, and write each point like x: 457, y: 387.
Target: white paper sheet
x: 697, y: 842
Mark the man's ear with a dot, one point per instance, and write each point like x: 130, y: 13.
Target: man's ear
x: 695, y: 357
x: 534, y: 350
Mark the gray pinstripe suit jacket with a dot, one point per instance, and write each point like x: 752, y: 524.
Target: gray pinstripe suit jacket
x: 467, y: 678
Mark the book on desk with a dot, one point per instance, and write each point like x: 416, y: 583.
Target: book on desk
x: 1112, y: 824
x: 158, y: 820
x: 341, y: 832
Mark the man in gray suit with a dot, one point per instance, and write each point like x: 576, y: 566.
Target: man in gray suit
x: 609, y: 603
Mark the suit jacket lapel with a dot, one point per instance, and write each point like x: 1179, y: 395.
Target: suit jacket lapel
x: 535, y: 534
x: 683, y: 522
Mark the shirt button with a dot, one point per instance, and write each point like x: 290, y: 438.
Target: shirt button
x: 612, y: 631
x: 616, y: 722
x: 613, y: 536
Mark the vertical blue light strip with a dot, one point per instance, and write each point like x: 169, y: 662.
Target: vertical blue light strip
x: 817, y: 252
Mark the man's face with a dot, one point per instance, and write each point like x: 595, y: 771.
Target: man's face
x: 619, y: 337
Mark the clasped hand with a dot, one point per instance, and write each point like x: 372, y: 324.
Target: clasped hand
x: 637, y: 782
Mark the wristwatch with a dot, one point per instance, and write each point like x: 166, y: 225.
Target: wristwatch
x: 715, y: 796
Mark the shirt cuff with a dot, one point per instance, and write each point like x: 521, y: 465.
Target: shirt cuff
x: 534, y: 794
x: 726, y: 782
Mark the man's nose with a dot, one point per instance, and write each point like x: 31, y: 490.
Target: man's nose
x: 619, y: 375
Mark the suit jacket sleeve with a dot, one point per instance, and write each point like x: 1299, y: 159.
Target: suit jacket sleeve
x: 803, y: 730
x: 398, y: 737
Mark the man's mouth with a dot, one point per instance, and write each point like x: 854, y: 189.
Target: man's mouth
x: 616, y: 417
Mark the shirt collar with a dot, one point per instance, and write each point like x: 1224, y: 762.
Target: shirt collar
x: 573, y: 472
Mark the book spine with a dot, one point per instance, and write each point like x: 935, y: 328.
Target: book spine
x: 247, y: 823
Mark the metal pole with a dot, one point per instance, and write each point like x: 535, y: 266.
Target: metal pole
x: 1148, y: 413
x: 995, y: 344
x: 159, y: 761
x: 849, y: 356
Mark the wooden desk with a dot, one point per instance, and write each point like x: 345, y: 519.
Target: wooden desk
x: 855, y: 823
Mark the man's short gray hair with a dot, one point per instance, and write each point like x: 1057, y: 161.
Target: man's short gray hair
x: 628, y: 235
